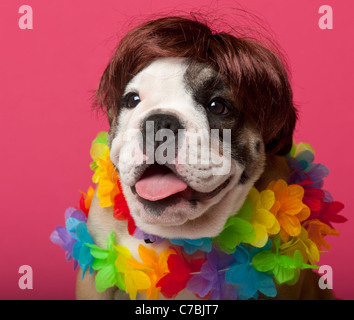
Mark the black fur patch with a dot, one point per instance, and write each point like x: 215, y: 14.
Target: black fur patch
x: 204, y: 84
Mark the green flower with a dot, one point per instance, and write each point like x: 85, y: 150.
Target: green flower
x: 284, y: 268
x: 237, y: 230
x: 107, y: 273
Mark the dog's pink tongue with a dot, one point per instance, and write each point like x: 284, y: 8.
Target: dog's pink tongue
x: 158, y: 186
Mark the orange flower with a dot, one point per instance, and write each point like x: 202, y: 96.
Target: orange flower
x: 317, y: 230
x: 86, y: 199
x: 288, y: 208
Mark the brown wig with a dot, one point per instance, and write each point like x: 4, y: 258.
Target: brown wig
x: 257, y: 77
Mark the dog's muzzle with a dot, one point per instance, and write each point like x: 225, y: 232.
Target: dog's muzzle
x: 158, y: 129
x: 160, y: 133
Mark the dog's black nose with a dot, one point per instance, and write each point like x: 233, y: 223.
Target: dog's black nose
x: 158, y: 130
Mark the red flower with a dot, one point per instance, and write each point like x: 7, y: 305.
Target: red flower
x: 131, y: 225
x: 325, y: 212
x: 329, y: 213
x: 179, y: 275
x: 121, y: 210
x: 313, y: 198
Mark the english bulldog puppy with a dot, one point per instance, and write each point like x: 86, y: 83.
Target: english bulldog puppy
x: 197, y: 118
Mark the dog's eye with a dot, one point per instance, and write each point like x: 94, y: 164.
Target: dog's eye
x: 217, y: 107
x: 133, y: 100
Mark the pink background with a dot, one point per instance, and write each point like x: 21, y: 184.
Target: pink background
x: 47, y: 76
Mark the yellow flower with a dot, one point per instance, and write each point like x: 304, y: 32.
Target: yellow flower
x: 288, y: 208
x: 99, y: 152
x: 135, y: 280
x: 263, y: 221
x: 108, y: 184
x: 299, y: 148
x: 105, y: 175
x: 304, y: 244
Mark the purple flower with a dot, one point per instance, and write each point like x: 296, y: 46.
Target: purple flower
x: 303, y: 168
x: 63, y: 238
x: 139, y: 234
x: 211, y: 278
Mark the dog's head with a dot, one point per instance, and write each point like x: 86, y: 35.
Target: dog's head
x: 193, y: 115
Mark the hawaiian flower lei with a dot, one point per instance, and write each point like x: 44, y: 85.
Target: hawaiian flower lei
x: 276, y: 233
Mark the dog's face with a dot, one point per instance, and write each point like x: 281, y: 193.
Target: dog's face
x: 181, y: 178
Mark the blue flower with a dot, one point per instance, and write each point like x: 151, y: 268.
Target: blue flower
x: 81, y: 252
x: 192, y: 245
x: 248, y: 280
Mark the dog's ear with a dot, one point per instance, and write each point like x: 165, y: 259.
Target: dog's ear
x: 268, y: 96
x: 277, y: 114
x: 107, y: 97
x: 282, y: 142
